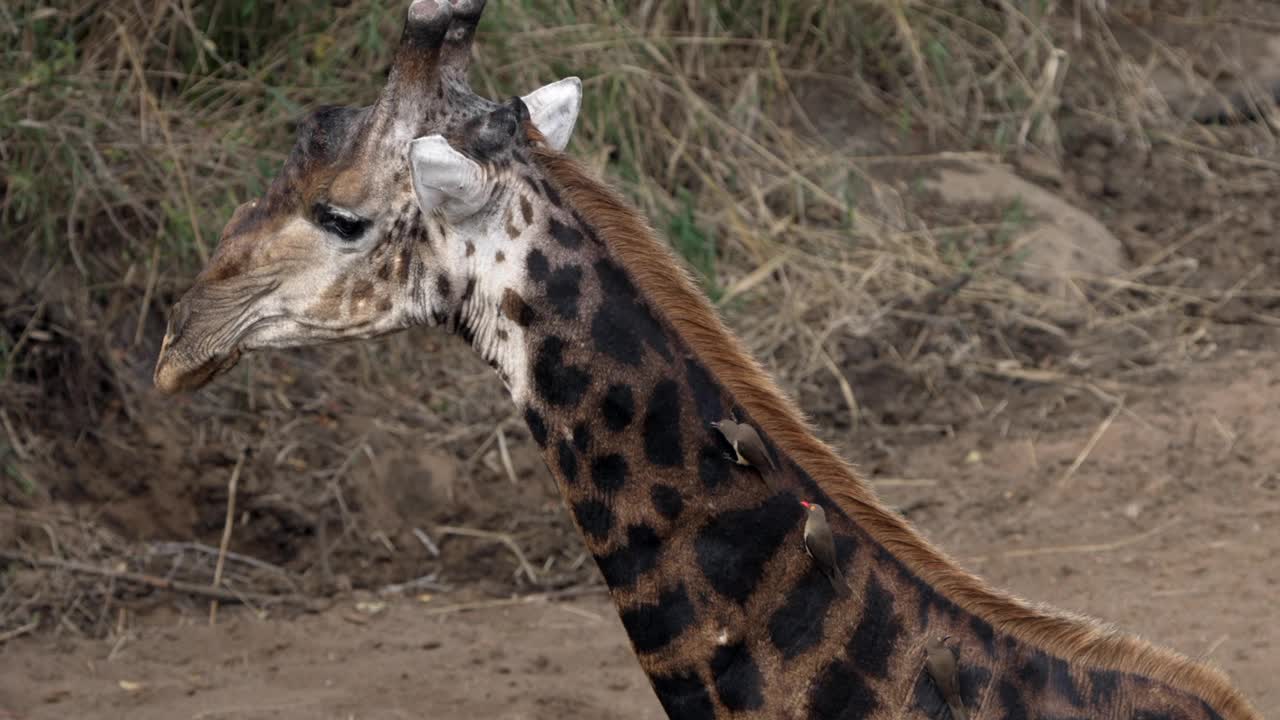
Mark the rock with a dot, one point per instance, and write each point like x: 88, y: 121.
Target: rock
x: 1092, y: 185
x: 1061, y: 240
x: 1244, y: 77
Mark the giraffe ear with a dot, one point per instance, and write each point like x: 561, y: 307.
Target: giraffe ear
x: 554, y: 109
x: 445, y: 178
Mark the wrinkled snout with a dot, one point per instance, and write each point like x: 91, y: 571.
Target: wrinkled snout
x: 178, y: 318
x: 188, y: 361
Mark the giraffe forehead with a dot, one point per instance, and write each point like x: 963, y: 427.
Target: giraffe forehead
x: 350, y: 156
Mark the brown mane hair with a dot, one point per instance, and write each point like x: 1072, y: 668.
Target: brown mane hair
x: 665, y: 281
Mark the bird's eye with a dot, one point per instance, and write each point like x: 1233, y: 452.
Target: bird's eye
x: 346, y: 225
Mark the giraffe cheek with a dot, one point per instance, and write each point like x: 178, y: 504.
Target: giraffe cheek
x: 362, y: 299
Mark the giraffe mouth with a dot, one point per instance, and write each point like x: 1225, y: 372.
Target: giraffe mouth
x: 172, y: 375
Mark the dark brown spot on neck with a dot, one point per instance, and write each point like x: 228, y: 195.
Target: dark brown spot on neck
x: 516, y: 309
x: 526, y: 210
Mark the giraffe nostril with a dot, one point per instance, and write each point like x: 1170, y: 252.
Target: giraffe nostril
x: 178, y: 318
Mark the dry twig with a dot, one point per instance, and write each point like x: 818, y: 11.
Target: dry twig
x: 1064, y: 482
x: 159, y: 583
x: 521, y: 600
x: 1084, y: 548
x: 19, y: 631
x: 503, y: 538
x: 227, y: 525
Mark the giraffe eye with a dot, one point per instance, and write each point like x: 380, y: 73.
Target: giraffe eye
x: 346, y: 225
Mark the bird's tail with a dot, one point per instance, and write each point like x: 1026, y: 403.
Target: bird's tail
x: 840, y: 585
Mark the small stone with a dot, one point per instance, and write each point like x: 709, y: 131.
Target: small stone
x: 371, y: 607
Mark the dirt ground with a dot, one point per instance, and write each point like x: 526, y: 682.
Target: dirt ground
x: 1121, y: 461
x: 1166, y: 528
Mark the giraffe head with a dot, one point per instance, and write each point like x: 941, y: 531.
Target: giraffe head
x: 378, y: 219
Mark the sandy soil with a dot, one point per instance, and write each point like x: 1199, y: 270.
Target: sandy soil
x: 1166, y: 528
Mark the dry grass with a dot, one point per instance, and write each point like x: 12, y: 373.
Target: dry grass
x: 751, y: 133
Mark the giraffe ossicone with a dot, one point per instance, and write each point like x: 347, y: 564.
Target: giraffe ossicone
x: 436, y: 207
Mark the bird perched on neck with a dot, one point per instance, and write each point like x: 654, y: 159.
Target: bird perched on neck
x: 821, y: 545
x: 748, y: 448
x: 943, y: 666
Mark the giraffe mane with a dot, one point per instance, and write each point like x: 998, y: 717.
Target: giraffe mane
x: 1075, y: 637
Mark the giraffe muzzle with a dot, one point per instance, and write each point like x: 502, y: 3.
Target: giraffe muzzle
x: 180, y: 367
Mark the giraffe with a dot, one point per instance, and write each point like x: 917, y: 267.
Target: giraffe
x: 436, y: 207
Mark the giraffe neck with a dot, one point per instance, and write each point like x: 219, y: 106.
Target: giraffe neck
x: 706, y: 565
x: 725, y: 609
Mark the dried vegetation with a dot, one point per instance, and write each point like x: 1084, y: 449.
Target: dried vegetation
x: 780, y: 146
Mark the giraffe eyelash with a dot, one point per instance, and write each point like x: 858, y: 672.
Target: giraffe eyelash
x: 345, y: 224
